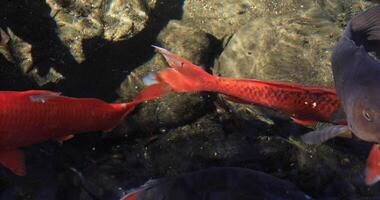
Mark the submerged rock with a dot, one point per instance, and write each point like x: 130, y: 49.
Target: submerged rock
x: 322, y: 171
x: 222, y: 18
x: 293, y: 47
x: 113, y: 20
x: 219, y: 18
x: 19, y: 52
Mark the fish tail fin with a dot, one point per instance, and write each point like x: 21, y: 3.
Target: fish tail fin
x: 372, y: 172
x: 184, y: 76
x: 152, y: 92
x: 149, y: 93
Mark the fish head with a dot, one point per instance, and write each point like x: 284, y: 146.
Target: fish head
x: 372, y: 171
x: 363, y: 113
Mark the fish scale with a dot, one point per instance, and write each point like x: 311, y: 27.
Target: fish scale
x: 297, y: 101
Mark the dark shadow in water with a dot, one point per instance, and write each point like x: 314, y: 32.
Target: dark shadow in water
x: 31, y: 21
x: 105, y: 68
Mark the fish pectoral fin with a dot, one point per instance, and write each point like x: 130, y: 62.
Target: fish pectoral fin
x: 347, y: 134
x: 14, y: 161
x: 41, y: 95
x: 64, y: 138
x: 303, y: 122
x: 41, y: 92
x: 320, y: 136
x: 339, y: 117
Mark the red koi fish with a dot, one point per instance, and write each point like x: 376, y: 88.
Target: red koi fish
x: 304, y: 104
x: 35, y: 116
x: 372, y: 171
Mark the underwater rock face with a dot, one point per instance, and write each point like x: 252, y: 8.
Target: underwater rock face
x: 19, y: 52
x: 331, y: 8
x: 112, y: 20
x: 174, y: 109
x: 293, y: 47
x: 219, y: 18
x: 223, y: 18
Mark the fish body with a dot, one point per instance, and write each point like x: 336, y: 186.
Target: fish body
x: 34, y: 116
x: 222, y: 183
x: 304, y: 104
x: 357, y: 74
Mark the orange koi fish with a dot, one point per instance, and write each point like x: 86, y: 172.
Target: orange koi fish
x: 34, y: 116
x: 304, y: 104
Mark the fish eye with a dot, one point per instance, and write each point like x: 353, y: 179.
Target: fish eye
x: 367, y: 115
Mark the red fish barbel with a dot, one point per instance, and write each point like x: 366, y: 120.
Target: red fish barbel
x: 304, y: 104
x: 35, y: 116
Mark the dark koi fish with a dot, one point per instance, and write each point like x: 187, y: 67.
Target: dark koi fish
x: 357, y: 82
x: 35, y: 116
x: 357, y: 74
x: 222, y: 183
x: 304, y: 104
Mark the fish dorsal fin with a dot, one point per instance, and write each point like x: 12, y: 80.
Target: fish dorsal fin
x: 14, y: 161
x: 41, y: 95
x: 41, y: 92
